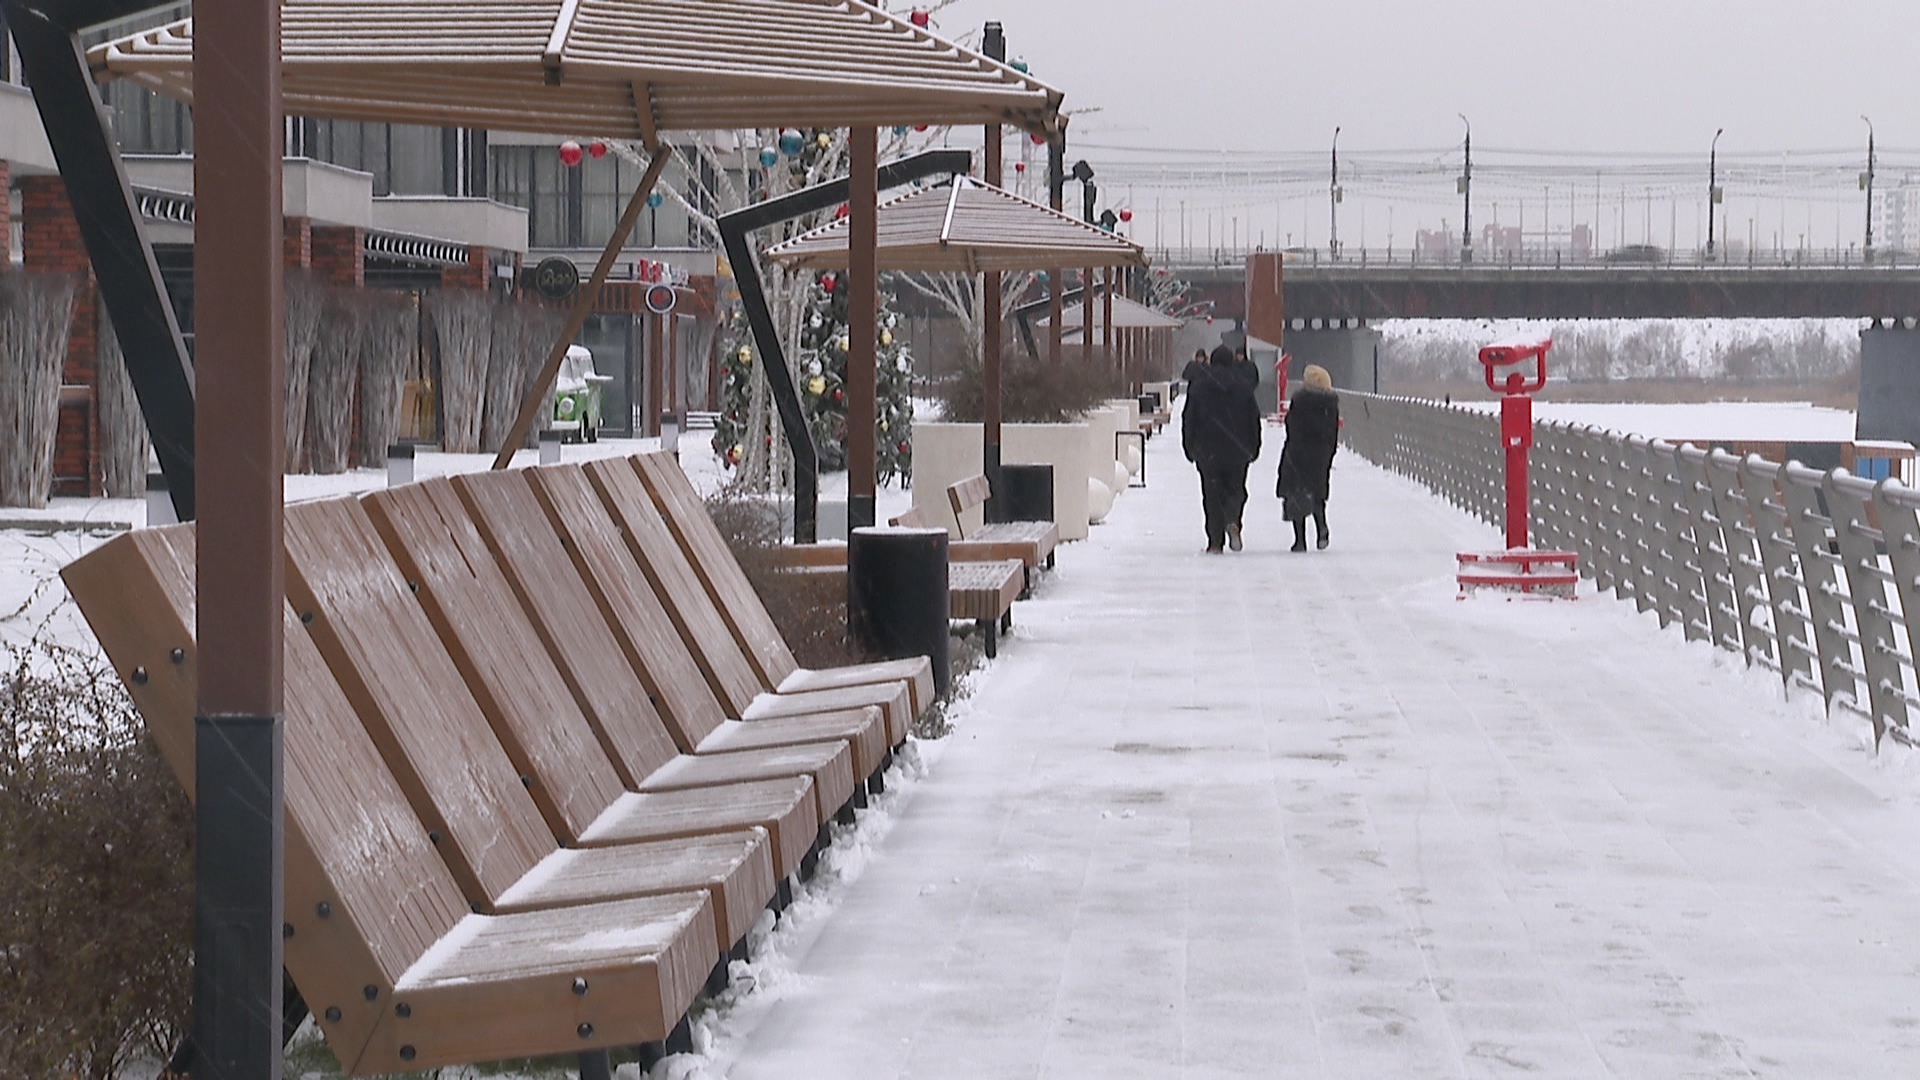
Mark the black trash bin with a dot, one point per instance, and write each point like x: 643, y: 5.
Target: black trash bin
x: 897, y: 596
x: 1028, y: 494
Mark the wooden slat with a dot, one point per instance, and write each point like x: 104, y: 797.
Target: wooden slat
x: 498, y: 653
x: 686, y: 517
x: 734, y: 869
x: 784, y: 806
x: 407, y: 691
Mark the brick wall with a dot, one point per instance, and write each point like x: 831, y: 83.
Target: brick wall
x: 297, y: 241
x: 471, y: 276
x: 338, y: 253
x: 50, y: 243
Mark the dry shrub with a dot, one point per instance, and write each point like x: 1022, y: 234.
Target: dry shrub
x: 36, y: 312
x: 336, y: 363
x: 463, y: 326
x: 809, y: 609
x: 1032, y: 391
x: 305, y: 298
x: 123, y: 427
x: 96, y: 901
x: 523, y: 334
x: 389, y: 324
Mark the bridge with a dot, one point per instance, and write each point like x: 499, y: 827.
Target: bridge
x: 1317, y: 289
x: 1305, y: 815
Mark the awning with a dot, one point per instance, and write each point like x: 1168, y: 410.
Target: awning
x: 965, y: 227
x: 1127, y: 315
x: 624, y: 69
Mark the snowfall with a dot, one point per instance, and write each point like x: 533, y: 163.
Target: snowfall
x: 1300, y: 815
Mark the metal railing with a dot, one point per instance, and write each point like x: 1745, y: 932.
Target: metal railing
x: 1809, y: 574
x: 1404, y: 258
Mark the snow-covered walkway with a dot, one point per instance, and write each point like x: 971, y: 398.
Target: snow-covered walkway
x: 1287, y: 815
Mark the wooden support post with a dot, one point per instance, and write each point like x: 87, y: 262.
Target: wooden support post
x: 583, y: 306
x: 994, y: 44
x: 1056, y: 278
x: 863, y: 281
x: 1086, y: 315
x: 656, y: 363
x: 240, y: 587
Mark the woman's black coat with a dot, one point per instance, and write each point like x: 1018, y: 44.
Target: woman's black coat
x: 1313, y: 434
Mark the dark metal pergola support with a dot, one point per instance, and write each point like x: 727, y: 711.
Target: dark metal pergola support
x: 734, y: 230
x: 54, y: 63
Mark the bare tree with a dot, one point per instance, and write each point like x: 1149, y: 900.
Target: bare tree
x: 36, y: 313
x: 463, y: 326
x: 522, y: 333
x: 336, y: 362
x: 305, y: 296
x: 389, y: 335
x: 123, y: 428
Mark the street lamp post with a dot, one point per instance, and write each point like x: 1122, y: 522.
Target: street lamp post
x: 1466, y: 196
x: 1713, y: 187
x: 1333, y: 200
x: 1866, y: 181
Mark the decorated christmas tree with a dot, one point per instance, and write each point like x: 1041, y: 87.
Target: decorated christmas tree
x: 819, y: 360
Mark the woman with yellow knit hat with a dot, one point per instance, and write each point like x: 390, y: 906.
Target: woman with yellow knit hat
x: 1306, y: 461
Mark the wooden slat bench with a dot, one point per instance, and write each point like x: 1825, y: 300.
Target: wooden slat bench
x: 700, y: 620
x: 1036, y: 539
x: 489, y: 723
x: 380, y: 940
x: 979, y: 590
x: 615, y: 645
x: 686, y: 517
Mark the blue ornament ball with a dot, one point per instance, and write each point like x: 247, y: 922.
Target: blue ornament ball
x: 791, y: 142
x: 654, y: 199
x: 768, y: 156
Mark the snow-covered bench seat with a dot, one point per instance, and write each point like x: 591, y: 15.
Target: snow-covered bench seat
x: 1035, y: 540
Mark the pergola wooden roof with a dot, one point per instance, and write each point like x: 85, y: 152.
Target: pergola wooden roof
x: 967, y: 227
x: 611, y: 68
x: 1127, y: 315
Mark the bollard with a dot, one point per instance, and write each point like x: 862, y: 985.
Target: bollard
x: 159, y: 501
x: 670, y: 433
x: 549, y: 447
x: 1028, y: 494
x: 399, y: 464
x: 897, y: 596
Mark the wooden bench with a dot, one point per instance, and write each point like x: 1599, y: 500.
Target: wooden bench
x: 1034, y: 539
x: 381, y: 941
x: 508, y: 759
x: 614, y: 643
x: 981, y: 591
x: 713, y: 563
x: 751, y: 690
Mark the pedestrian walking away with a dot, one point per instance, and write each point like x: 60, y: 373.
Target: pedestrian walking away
x: 1306, y: 458
x: 1220, y: 432
x: 1245, y: 368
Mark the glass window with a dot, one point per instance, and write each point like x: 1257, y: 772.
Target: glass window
x: 417, y: 160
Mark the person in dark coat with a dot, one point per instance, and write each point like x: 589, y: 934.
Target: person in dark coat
x: 1306, y: 460
x: 1196, y: 367
x: 1244, y: 367
x: 1220, y: 431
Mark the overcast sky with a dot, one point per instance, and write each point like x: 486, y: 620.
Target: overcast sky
x: 1573, y: 74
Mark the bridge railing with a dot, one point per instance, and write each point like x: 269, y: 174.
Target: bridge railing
x: 1812, y: 575
x: 1623, y: 260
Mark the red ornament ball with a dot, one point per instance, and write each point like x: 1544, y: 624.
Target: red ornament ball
x: 570, y: 153
x: 1126, y: 215
x: 904, y: 447
x: 597, y: 149
x: 921, y: 17
x: 829, y: 282
x: 919, y: 127
x: 840, y: 213
x: 1039, y: 138
x: 1019, y: 166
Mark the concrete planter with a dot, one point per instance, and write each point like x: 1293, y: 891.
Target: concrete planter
x: 946, y: 453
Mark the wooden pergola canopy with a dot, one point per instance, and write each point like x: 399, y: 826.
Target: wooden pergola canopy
x: 1127, y: 315
x: 967, y: 227
x: 626, y: 69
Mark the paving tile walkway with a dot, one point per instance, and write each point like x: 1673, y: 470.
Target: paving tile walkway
x: 1285, y: 815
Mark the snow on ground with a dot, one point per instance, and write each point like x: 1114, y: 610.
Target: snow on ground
x: 1758, y: 421
x: 1309, y: 815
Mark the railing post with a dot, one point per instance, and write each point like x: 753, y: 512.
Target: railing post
x: 1867, y: 587
x: 1737, y: 531
x: 1674, y: 589
x: 1801, y: 488
x: 1900, y: 525
x: 1710, y: 552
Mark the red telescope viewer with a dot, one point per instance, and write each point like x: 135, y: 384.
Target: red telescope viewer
x: 1510, y: 352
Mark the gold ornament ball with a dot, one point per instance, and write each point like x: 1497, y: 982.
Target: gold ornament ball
x: 842, y: 344
x: 745, y: 354
x: 816, y: 386
x: 886, y: 339
x: 825, y: 140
